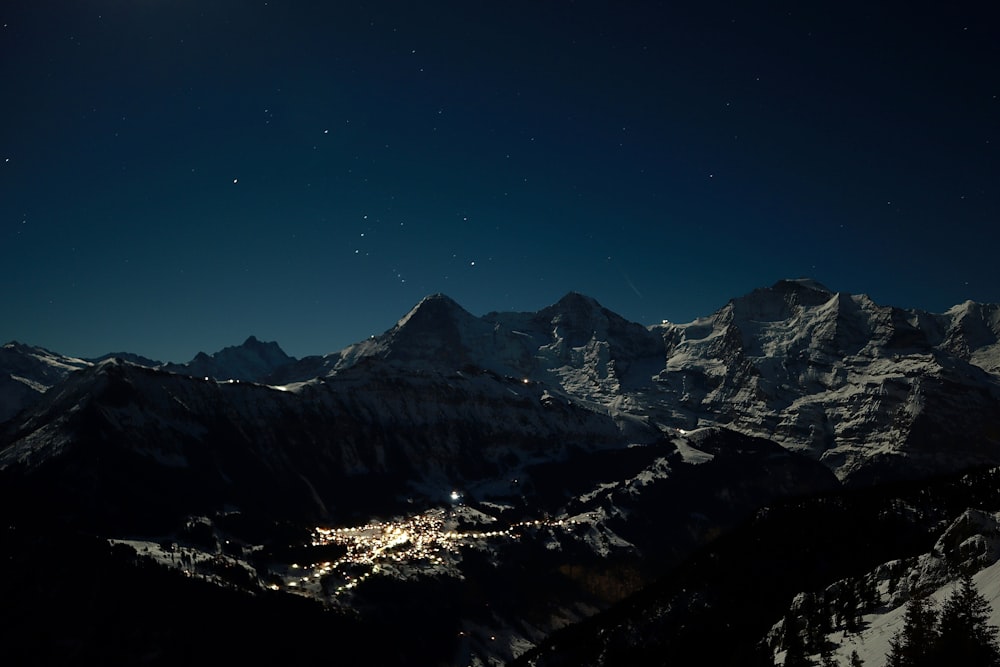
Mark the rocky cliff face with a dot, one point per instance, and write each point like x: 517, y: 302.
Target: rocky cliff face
x: 872, y: 391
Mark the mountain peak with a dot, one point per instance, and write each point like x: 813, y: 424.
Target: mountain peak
x: 435, y: 331
x: 577, y: 318
x: 267, y: 348
x: 24, y: 348
x: 432, y: 308
x: 438, y: 299
x: 253, y: 360
x: 578, y: 300
x: 788, y: 284
x: 780, y: 301
x: 573, y: 304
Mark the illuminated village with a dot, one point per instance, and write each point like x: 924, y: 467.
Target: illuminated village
x: 429, y: 543
x: 423, y: 543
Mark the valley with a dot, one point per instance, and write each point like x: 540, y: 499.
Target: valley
x: 555, y: 487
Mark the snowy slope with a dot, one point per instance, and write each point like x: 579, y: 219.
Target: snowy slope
x: 872, y: 643
x: 970, y: 543
x: 27, y: 372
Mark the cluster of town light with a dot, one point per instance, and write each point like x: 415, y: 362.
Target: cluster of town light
x: 420, y: 540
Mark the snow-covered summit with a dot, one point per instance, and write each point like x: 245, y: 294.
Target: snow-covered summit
x: 437, y: 333
x: 855, y: 384
x: 576, y: 319
x: 27, y: 372
x: 575, y: 345
x: 972, y: 331
x: 254, y: 360
x: 842, y: 377
x: 780, y: 301
x: 805, y: 282
x: 434, y: 308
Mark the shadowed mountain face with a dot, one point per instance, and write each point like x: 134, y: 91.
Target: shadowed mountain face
x: 366, y: 435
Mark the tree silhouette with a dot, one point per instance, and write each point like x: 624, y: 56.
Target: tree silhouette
x: 850, y: 608
x: 965, y: 635
x: 826, y: 658
x: 961, y: 635
x: 915, y: 644
x: 795, y: 650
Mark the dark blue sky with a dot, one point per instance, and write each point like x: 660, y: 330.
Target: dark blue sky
x: 177, y: 174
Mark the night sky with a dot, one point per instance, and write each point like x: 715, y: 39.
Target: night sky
x: 176, y: 175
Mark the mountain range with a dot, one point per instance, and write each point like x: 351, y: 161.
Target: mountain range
x: 531, y: 473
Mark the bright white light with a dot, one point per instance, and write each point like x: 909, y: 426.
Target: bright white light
x: 455, y: 495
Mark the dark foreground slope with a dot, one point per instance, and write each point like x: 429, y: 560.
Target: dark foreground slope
x: 74, y: 599
x: 719, y: 606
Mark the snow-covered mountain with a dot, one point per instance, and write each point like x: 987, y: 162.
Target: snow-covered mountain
x: 627, y: 449
x: 123, y: 450
x: 253, y: 361
x: 571, y: 345
x: 872, y: 391
x: 27, y: 372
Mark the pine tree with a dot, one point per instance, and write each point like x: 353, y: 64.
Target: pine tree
x: 915, y: 644
x: 826, y: 659
x: 759, y: 655
x: 815, y: 613
x: 895, y: 656
x: 795, y: 650
x: 965, y: 633
x: 850, y: 609
x: 868, y: 593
